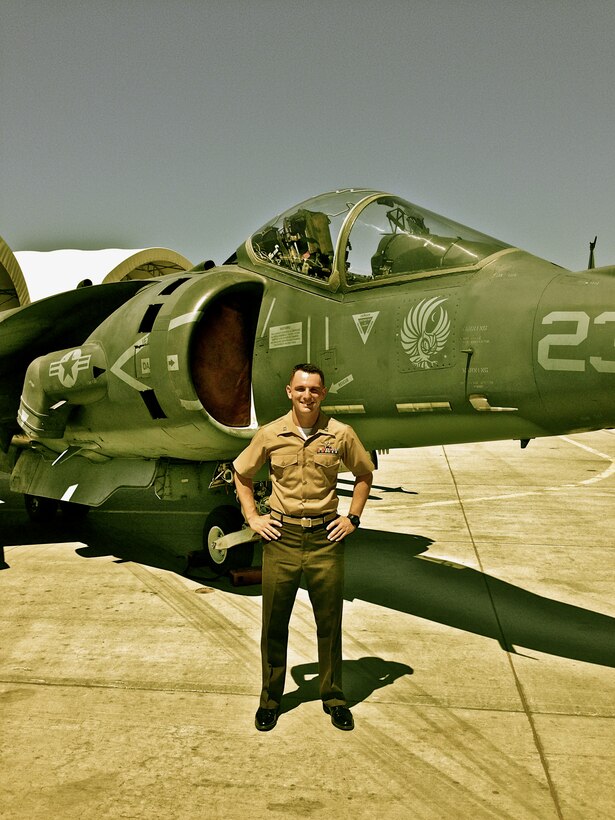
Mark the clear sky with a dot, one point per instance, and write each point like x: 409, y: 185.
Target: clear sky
x: 188, y: 123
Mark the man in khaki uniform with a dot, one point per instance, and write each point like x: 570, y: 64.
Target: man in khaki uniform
x: 303, y: 534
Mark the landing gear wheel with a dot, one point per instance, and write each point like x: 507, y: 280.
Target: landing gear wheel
x: 40, y: 510
x: 73, y: 513
x: 219, y: 522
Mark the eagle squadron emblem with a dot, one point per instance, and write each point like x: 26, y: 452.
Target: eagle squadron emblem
x: 425, y: 330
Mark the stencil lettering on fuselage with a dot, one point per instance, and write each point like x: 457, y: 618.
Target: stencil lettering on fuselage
x: 579, y: 327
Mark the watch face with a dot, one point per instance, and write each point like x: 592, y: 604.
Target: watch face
x: 354, y: 520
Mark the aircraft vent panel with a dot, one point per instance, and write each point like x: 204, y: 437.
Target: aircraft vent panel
x: 147, y: 322
x: 153, y: 405
x: 172, y: 287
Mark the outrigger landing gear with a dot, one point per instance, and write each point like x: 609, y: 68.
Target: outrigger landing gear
x: 72, y: 512
x: 40, y: 510
x: 227, y: 543
x: 43, y: 510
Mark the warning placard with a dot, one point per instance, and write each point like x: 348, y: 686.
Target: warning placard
x: 365, y: 323
x: 286, y: 335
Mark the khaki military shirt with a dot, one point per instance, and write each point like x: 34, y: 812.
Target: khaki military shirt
x: 304, y: 471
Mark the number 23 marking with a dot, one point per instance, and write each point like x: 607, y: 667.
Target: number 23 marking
x: 572, y: 340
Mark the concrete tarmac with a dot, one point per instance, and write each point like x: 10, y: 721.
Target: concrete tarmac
x: 479, y: 645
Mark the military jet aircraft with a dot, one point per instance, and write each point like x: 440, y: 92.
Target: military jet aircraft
x: 429, y: 333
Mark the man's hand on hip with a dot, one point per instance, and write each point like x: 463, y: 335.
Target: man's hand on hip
x: 340, y: 528
x: 264, y: 526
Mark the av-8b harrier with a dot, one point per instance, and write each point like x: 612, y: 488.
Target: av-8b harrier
x: 429, y: 332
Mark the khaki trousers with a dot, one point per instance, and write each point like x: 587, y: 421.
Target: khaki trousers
x: 305, y: 552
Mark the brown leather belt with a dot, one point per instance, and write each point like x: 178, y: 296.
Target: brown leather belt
x: 306, y: 521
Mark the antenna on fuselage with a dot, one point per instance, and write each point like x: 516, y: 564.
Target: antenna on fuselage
x: 592, y: 245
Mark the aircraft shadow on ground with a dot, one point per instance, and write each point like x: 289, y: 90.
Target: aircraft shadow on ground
x: 99, y: 538
x: 386, y: 569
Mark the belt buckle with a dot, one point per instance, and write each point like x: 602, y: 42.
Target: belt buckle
x: 306, y: 523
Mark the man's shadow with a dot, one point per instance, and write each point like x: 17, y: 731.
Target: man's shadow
x: 362, y: 677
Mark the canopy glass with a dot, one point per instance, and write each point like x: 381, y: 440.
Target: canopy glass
x: 364, y: 236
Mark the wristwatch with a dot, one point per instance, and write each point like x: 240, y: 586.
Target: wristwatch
x: 354, y: 520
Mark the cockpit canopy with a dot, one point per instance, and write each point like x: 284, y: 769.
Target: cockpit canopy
x: 359, y: 237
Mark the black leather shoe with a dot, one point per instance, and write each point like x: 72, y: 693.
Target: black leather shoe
x: 265, y: 719
x: 341, y: 717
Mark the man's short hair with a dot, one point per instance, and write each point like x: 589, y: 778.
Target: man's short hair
x: 306, y: 367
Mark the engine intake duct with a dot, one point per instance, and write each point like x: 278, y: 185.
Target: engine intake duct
x: 221, y: 354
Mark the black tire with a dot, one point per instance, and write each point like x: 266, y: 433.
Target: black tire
x: 40, y: 510
x: 222, y: 521
x: 72, y: 512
